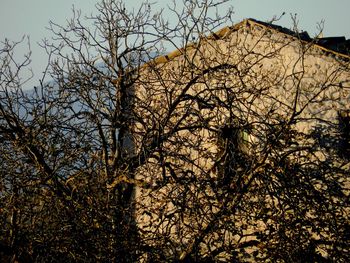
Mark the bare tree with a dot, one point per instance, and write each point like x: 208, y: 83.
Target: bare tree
x: 227, y: 149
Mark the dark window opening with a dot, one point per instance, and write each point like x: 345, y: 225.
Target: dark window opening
x: 232, y: 154
x: 344, y: 129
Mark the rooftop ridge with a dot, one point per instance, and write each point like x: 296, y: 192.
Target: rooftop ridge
x: 304, y: 37
x: 225, y: 31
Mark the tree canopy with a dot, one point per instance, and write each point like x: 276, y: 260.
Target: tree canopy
x: 235, y: 147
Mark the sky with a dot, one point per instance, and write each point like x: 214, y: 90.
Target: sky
x: 30, y: 18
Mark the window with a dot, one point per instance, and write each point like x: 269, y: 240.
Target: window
x: 344, y: 129
x: 232, y: 153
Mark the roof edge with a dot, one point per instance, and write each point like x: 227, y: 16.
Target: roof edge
x: 225, y: 31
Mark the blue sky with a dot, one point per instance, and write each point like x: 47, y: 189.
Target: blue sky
x: 30, y: 17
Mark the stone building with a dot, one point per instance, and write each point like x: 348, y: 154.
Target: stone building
x: 236, y: 113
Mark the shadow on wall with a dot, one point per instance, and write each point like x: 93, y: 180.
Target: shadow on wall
x: 334, y: 138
